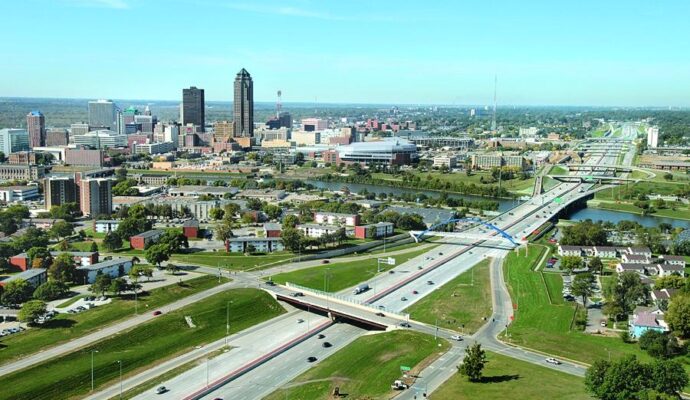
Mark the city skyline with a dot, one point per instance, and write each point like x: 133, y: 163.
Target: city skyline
x: 543, y: 54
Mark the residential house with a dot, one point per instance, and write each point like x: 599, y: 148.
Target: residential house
x: 605, y: 251
x: 381, y: 229
x: 670, y: 269
x: 646, y: 321
x: 115, y: 268
x: 105, y: 225
x: 316, y: 230
x: 260, y: 245
x: 629, y: 258
x: 272, y: 230
x: 625, y: 267
x: 673, y: 260
x: 565, y: 250
x: 143, y: 240
x: 35, y: 277
x: 330, y: 218
x: 190, y: 228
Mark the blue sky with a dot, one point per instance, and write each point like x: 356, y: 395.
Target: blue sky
x: 628, y: 53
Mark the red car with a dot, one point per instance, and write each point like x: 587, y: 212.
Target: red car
x: 158, y: 312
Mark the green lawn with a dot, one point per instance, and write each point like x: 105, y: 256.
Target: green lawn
x: 546, y: 327
x: 91, y: 233
x: 164, y: 337
x: 342, y: 275
x: 680, y: 212
x: 231, y: 261
x: 465, y: 299
x: 513, y: 185
x: 366, y: 368
x: 65, y: 327
x: 508, y: 378
x: 558, y: 170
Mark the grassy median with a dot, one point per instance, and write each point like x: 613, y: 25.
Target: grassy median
x: 366, y: 368
x: 166, y: 336
x: 508, y: 378
x: 66, y: 327
x: 463, y: 301
x: 231, y: 261
x: 342, y: 275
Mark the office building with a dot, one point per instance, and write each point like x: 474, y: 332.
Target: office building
x: 145, y: 123
x: 306, y: 138
x: 103, y: 114
x: 101, y: 139
x: 60, y: 190
x: 652, y: 137
x: 18, y: 193
x: 243, y: 105
x: 84, y: 157
x: 57, y: 137
x: 95, y: 196
x: 25, y: 172
x: 447, y: 161
x: 22, y: 157
x: 192, y: 109
x: 314, y: 124
x: 13, y: 140
x: 36, y: 127
x: 79, y: 129
x: 153, y: 148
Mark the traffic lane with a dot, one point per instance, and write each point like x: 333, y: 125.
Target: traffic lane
x: 245, y: 349
x: 534, y: 358
x: 433, y: 376
x: 282, y: 369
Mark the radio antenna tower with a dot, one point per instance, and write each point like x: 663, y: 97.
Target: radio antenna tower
x: 279, y: 103
x: 493, y: 118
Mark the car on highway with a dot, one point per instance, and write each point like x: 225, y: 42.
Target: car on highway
x: 440, y: 254
x: 157, y: 312
x: 270, y: 283
x: 326, y: 344
x: 311, y: 359
x: 405, y: 325
x: 553, y: 361
x: 429, y: 282
x: 299, y: 321
x: 298, y: 294
x: 161, y: 389
x: 380, y: 314
x: 381, y: 306
x: 403, y: 299
x: 325, y: 261
x: 456, y: 337
x: 415, y: 292
x: 321, y: 336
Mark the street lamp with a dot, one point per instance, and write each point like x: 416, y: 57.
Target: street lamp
x: 92, y: 351
x: 120, y: 364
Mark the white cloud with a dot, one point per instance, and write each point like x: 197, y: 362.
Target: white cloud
x: 291, y: 11
x: 115, y: 4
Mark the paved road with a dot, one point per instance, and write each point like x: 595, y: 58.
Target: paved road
x: 113, y: 329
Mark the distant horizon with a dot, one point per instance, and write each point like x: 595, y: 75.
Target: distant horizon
x: 310, y: 104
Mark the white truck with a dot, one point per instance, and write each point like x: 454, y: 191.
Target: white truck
x: 361, y: 288
x: 399, y: 385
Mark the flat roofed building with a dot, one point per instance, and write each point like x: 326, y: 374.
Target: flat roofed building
x: 18, y: 193
x: 21, y: 172
x: 14, y: 140
x: 260, y: 245
x: 114, y: 268
x: 34, y: 277
x: 96, y: 196
x: 391, y: 151
x: 377, y: 230
x: 105, y: 225
x: 143, y: 240
x: 447, y: 161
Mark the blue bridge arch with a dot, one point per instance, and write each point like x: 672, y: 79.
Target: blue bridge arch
x: 500, y: 231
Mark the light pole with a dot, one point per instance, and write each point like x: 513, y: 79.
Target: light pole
x: 92, y: 351
x: 227, y: 321
x: 120, y: 364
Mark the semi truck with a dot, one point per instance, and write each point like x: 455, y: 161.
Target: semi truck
x: 361, y: 288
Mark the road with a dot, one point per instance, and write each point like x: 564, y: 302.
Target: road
x: 110, y: 330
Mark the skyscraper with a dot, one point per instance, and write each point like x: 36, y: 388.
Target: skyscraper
x: 60, y: 190
x: 95, y: 196
x: 243, y: 105
x: 652, y: 137
x: 36, y: 126
x: 102, y: 113
x: 193, y: 107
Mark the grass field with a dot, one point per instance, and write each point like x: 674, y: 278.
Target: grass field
x: 342, y: 275
x: 546, y: 327
x: 466, y: 299
x: 513, y: 185
x: 231, y: 261
x: 508, y: 378
x: 167, y: 335
x: 366, y: 368
x: 65, y: 327
x: 680, y: 212
x: 558, y: 170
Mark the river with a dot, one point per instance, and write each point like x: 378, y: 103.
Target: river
x: 505, y: 205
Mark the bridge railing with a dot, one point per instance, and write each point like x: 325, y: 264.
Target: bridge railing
x: 342, y: 298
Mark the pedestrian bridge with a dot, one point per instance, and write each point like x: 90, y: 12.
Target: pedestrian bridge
x: 433, y: 230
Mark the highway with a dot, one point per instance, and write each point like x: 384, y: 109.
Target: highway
x: 453, y: 257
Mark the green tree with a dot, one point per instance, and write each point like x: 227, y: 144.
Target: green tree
x: 172, y: 268
x: 670, y: 282
x: 216, y: 213
x: 112, y: 241
x: 101, y: 284
x: 157, y: 254
x: 61, y: 229
x: 595, y: 265
x: 292, y: 239
x: 624, y: 294
x: 51, y: 290
x: 473, y: 363
x: 584, y: 233
x: 63, y: 268
x: 39, y: 257
x: 668, y: 377
x: 570, y: 263
x: 174, y: 241
x: 623, y: 379
x: 117, y: 286
x: 660, y: 345
x: 31, y: 310
x: 223, y: 230
x: 290, y: 221
x: 254, y: 204
x: 678, y: 315
x: 16, y: 292
x: 94, y: 246
x: 582, y: 287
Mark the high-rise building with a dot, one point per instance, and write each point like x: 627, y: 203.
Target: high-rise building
x: 103, y: 114
x: 652, y: 137
x: 79, y: 129
x: 36, y: 126
x: 13, y: 140
x: 96, y: 196
x: 243, y: 105
x: 60, y: 190
x: 192, y: 110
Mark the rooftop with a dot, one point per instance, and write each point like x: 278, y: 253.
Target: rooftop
x: 104, y: 264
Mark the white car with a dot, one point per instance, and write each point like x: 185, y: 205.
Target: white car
x: 553, y: 361
x: 456, y: 337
